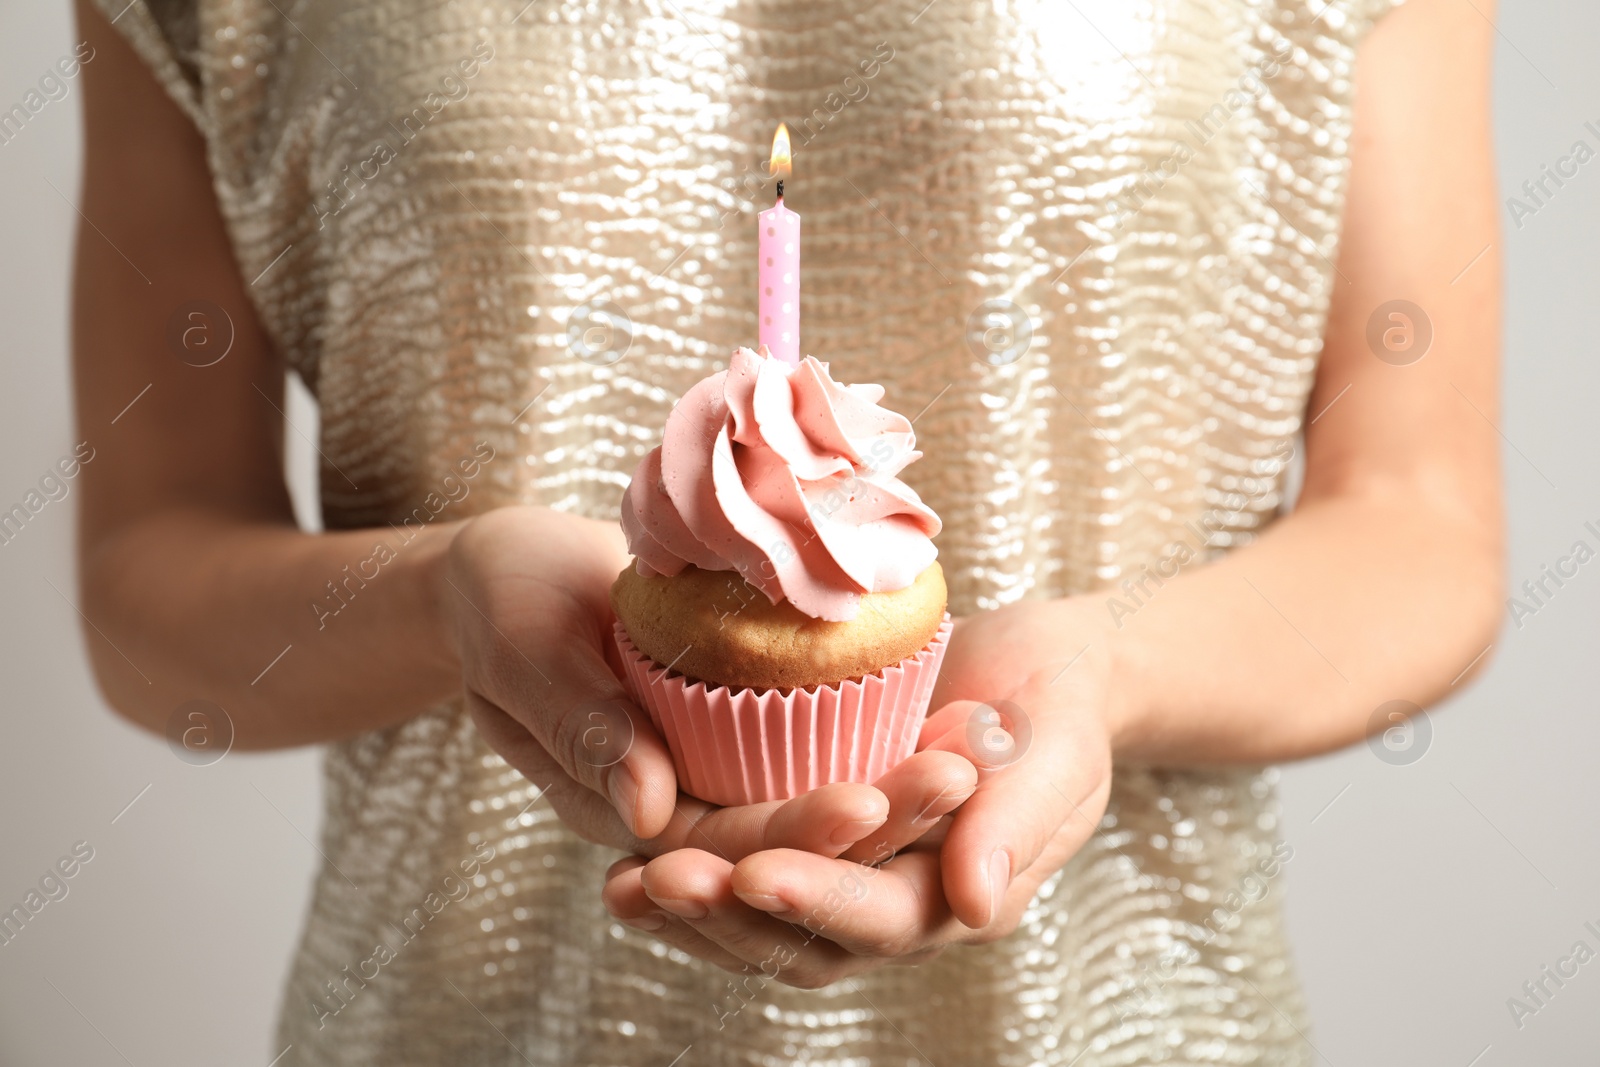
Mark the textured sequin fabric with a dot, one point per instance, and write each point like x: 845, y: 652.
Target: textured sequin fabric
x: 1087, y: 244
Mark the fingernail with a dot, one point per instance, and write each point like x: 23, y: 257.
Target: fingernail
x: 999, y: 880
x: 648, y: 923
x: 688, y: 909
x: 851, y: 832
x: 625, y: 795
x: 765, y: 901
x: 943, y: 805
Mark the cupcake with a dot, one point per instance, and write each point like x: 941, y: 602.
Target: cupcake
x: 784, y: 618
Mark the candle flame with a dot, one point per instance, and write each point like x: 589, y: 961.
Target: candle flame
x: 781, y: 165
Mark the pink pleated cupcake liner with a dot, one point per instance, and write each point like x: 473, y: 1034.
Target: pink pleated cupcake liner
x: 743, y: 746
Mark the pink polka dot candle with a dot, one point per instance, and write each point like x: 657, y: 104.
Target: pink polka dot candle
x: 778, y: 265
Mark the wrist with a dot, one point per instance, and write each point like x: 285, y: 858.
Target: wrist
x: 435, y: 596
x: 1126, y: 716
x: 1111, y: 650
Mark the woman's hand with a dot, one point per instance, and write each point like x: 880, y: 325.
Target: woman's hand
x: 1040, y: 741
x: 526, y: 607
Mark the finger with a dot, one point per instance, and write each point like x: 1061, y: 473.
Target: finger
x: 624, y: 865
x: 894, y: 911
x: 920, y: 792
x: 826, y: 821
x: 956, y: 713
x: 991, y: 735
x: 624, y: 897
x: 1041, y: 799
x: 623, y: 893
x: 575, y: 705
x: 694, y: 886
x: 584, y: 811
x: 682, y: 935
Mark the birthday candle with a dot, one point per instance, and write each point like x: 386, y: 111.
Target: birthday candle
x: 778, y: 265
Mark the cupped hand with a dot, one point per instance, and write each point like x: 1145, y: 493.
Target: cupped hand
x: 686, y: 898
x: 1024, y: 698
x: 526, y: 607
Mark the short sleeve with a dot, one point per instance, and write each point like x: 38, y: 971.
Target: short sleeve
x: 166, y: 35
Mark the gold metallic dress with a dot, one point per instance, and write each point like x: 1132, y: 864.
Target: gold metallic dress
x: 1088, y: 241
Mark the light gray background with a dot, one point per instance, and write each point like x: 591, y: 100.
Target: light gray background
x: 1421, y: 897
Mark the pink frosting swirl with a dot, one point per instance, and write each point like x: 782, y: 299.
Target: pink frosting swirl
x: 788, y: 477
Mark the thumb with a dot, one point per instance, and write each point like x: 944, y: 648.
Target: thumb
x: 562, y: 690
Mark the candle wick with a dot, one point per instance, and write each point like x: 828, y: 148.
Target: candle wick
x: 780, y: 188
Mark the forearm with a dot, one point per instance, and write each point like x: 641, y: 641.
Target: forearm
x: 1284, y: 648
x: 299, y: 637
x: 1385, y: 582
